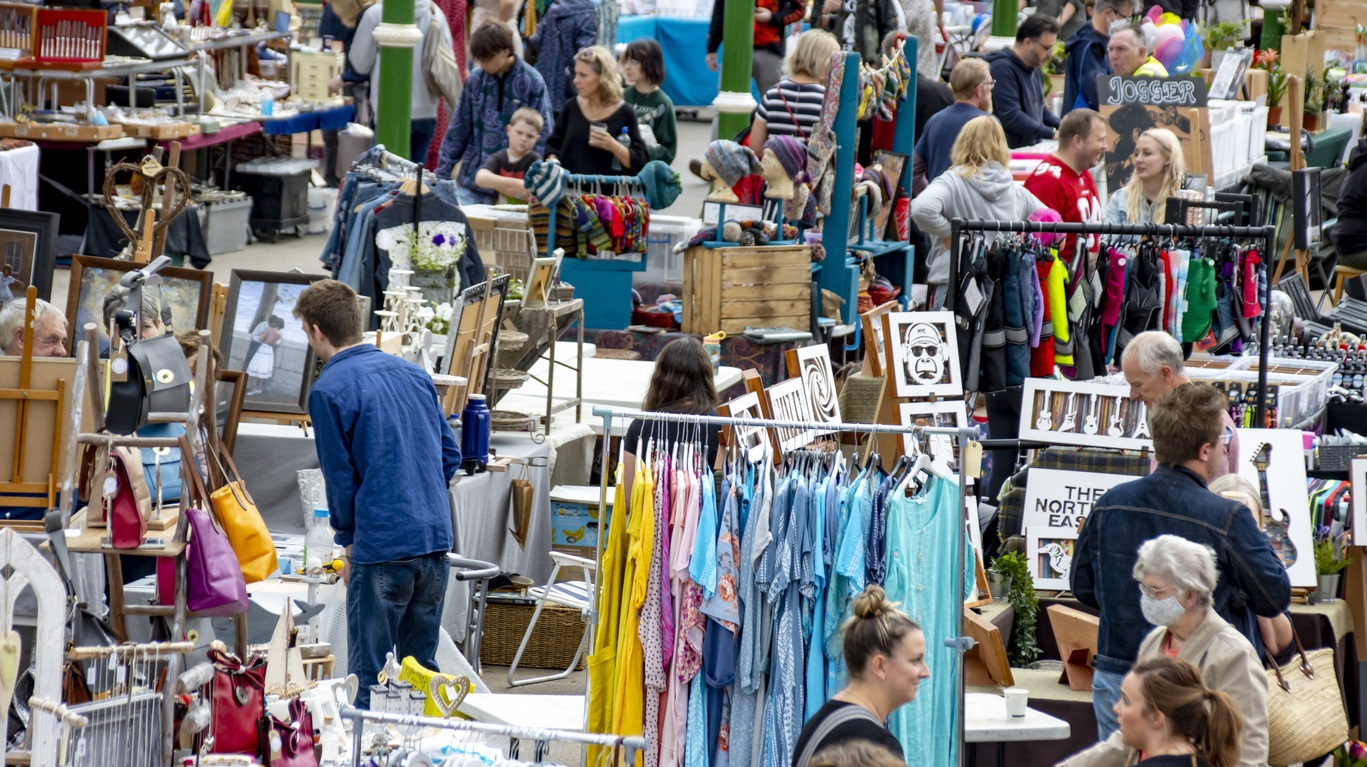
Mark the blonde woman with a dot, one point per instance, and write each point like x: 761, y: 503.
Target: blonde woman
x: 793, y: 107
x: 589, y: 130
x: 977, y: 186
x: 1159, y: 168
x: 1276, y: 632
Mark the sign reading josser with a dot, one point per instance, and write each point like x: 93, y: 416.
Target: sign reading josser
x: 1132, y: 105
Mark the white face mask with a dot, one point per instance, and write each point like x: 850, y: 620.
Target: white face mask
x: 1161, y: 612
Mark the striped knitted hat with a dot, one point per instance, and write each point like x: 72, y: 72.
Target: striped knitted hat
x: 732, y: 161
x: 545, y: 180
x: 792, y: 155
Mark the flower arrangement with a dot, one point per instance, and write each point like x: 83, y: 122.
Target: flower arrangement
x: 437, y: 318
x: 1352, y: 753
x: 1267, y: 61
x: 435, y: 253
x: 1329, y: 559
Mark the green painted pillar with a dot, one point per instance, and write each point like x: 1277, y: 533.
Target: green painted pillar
x: 397, y: 37
x: 1274, y: 26
x: 1004, y: 13
x: 734, y: 103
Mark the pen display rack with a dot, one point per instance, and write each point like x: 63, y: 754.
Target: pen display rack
x: 66, y: 36
x: 16, y: 30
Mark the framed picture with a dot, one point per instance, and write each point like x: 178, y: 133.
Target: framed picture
x: 542, y: 279
x: 1058, y: 498
x: 229, y: 393
x: 950, y: 414
x: 28, y: 251
x: 788, y: 402
x: 812, y: 365
x: 475, y: 323
x: 748, y: 439
x: 893, y: 164
x: 262, y: 337
x: 922, y: 351
x: 872, y: 325
x: 1049, y: 554
x: 1272, y: 460
x: 1086, y: 414
x: 185, y: 293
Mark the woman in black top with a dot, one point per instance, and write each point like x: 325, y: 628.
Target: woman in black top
x: 1167, y: 713
x: 587, y: 133
x: 682, y: 383
x: 885, y: 653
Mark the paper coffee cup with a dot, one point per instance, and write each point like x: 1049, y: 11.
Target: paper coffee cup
x: 1017, y: 699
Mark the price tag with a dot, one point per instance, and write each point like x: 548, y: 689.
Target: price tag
x: 973, y: 459
x: 111, y: 486
x: 973, y: 297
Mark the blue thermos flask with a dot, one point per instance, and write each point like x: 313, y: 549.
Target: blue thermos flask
x: 474, y: 434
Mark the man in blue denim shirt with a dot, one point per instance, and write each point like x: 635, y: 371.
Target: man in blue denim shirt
x: 387, y: 456
x: 1189, y: 439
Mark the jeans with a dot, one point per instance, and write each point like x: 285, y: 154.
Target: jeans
x: 1105, y: 694
x: 466, y: 195
x: 420, y: 133
x: 394, y: 606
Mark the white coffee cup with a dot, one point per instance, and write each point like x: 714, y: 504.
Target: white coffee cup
x: 1016, y: 700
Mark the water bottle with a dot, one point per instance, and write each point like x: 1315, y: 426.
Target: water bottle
x: 318, y: 542
x: 474, y: 434
x: 625, y: 139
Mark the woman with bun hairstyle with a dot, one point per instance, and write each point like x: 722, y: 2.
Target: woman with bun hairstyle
x: 885, y: 654
x: 1168, y: 715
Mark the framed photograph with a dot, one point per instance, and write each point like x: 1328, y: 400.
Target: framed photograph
x: 262, y: 338
x: 748, y: 439
x: 229, y: 393
x: 542, y: 279
x: 1086, y: 414
x: 1272, y: 459
x: 184, y: 293
x: 788, y: 401
x: 1049, y: 554
x: 894, y: 164
x: 872, y: 326
x: 922, y: 351
x: 952, y: 414
x: 474, y: 324
x: 812, y: 365
x: 28, y: 251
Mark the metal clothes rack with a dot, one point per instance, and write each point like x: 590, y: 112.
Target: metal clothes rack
x: 540, y: 736
x: 961, y: 643
x: 1267, y: 234
x: 579, y: 180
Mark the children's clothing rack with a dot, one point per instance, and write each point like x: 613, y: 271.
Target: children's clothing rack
x: 1266, y: 234
x: 963, y: 436
x: 577, y: 181
x: 540, y: 736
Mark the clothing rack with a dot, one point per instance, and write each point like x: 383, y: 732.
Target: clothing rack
x: 538, y: 735
x: 578, y: 180
x: 961, y: 643
x: 1267, y: 234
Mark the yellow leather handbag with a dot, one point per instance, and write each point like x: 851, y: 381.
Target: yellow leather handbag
x: 241, y: 522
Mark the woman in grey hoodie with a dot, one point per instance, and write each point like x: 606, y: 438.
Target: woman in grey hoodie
x: 977, y: 187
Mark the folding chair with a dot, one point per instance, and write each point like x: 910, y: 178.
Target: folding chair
x: 573, y: 594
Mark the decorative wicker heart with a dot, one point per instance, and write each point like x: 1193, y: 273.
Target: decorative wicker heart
x: 177, y: 188
x: 448, y: 692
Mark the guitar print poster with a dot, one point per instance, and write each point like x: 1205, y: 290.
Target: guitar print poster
x: 1282, y: 451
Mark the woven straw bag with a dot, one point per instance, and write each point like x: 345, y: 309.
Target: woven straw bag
x: 1305, y: 716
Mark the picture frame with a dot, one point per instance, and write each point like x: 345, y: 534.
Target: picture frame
x: 28, y: 244
x: 1086, y: 414
x: 894, y: 165
x: 950, y: 413
x: 748, y: 439
x: 1286, y: 514
x: 922, y: 354
x: 186, y: 292
x: 229, y: 392
x: 1049, y: 554
x: 871, y: 323
x: 541, y: 279
x: 812, y: 366
x: 465, y: 332
x: 278, y: 374
x: 1056, y: 498
x: 788, y: 401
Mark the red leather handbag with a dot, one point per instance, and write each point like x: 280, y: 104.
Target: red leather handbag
x: 238, y: 703
x: 290, y: 743
x: 129, y: 508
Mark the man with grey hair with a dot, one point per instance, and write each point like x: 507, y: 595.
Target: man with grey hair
x: 49, y: 329
x: 1153, y: 366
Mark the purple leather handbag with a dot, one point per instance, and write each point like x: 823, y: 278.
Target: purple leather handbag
x: 214, y: 583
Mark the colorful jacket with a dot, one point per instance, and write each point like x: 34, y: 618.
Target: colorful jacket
x: 486, y: 104
x: 568, y: 27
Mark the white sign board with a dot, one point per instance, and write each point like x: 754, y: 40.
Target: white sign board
x: 1286, y: 516
x: 1357, y: 475
x: 1086, y: 414
x: 1056, y: 503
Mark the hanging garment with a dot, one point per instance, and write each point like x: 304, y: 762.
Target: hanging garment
x: 628, y: 712
x: 602, y: 664
x: 1200, y: 297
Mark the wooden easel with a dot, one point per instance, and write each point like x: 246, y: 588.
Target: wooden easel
x: 1076, y: 633
x: 1295, y: 106
x: 472, y: 350
x: 986, y: 662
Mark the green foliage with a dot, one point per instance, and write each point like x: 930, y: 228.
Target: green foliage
x: 1024, y: 649
x: 1327, y: 560
x: 1224, y: 36
x: 1314, y: 95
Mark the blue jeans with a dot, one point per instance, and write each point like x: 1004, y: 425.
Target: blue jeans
x: 394, y: 605
x: 420, y: 133
x: 1105, y: 694
x: 470, y: 196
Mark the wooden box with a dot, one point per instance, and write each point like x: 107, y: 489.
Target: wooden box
x: 60, y: 131
x: 731, y: 289
x: 310, y: 72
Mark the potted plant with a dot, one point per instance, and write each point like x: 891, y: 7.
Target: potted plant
x: 1023, y: 649
x: 1225, y: 36
x: 1329, y: 562
x: 1314, y: 102
x: 1266, y: 60
x: 999, y: 579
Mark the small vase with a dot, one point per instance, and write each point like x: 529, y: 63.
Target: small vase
x: 438, y: 285
x: 1274, y: 116
x: 1328, y: 587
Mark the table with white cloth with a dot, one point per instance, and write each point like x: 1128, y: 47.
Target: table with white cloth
x: 19, y: 170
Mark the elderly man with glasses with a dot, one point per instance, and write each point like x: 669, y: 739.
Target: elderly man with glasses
x: 1189, y: 440
x: 49, y: 330
x: 1018, y: 93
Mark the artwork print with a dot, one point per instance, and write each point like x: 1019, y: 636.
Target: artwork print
x: 16, y: 263
x: 28, y: 249
x: 814, y: 370
x: 264, y: 339
x: 1049, y: 554
x: 951, y: 415
x: 1272, y: 460
x: 923, y: 354
x: 1085, y: 414
x: 183, y: 294
x: 788, y: 402
x: 748, y: 439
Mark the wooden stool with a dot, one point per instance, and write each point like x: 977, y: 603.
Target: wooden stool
x: 1341, y: 275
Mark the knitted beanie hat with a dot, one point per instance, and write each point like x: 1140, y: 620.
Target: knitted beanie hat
x: 792, y: 155
x: 732, y: 161
x: 661, y: 184
x: 545, y: 180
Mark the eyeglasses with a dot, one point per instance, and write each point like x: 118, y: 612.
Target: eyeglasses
x: 989, y: 83
x: 1228, y: 436
x: 1152, y: 592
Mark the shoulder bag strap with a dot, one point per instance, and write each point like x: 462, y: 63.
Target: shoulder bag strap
x: 232, y: 479
x: 851, y: 713
x: 1306, y: 667
x: 796, y: 124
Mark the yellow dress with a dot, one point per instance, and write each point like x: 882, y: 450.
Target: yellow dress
x: 603, y: 659
x: 628, y: 708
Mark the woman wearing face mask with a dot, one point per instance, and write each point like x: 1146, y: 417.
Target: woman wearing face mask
x: 1176, y: 579
x: 1159, y: 169
x: 1169, y: 715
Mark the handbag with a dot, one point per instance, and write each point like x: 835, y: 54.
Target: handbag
x: 161, y: 465
x: 238, y: 694
x: 126, y: 504
x: 439, y: 65
x: 157, y: 381
x: 242, y: 523
x: 523, y: 496
x: 214, y: 586
x: 289, y: 743
x: 84, y: 629
x: 1305, y: 715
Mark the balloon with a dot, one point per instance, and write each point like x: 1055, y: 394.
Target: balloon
x: 1168, y: 45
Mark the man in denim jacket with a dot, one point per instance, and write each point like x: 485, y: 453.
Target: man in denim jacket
x: 1189, y: 439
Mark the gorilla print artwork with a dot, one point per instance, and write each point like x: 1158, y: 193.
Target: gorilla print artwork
x: 924, y: 354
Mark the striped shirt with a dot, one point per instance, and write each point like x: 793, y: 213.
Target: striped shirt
x: 792, y: 109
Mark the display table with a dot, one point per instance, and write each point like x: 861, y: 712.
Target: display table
x: 1051, y: 699
x: 304, y: 122
x: 684, y: 42
x: 986, y: 721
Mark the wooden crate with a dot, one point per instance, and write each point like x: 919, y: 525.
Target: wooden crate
x: 730, y: 289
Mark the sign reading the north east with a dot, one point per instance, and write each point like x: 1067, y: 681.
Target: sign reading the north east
x: 1055, y: 498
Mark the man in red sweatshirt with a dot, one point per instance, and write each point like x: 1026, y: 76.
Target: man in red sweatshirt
x: 1063, y: 181
x: 771, y: 16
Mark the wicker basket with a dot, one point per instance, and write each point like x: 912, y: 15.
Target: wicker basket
x: 558, y: 633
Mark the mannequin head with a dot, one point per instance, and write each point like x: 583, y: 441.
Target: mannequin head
x: 778, y: 184
x: 721, y: 191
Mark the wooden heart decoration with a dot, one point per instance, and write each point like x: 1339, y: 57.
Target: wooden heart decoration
x: 448, y: 692
x: 346, y: 691
x: 9, y: 667
x: 177, y: 192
